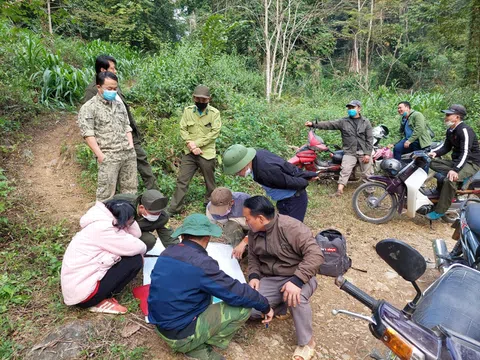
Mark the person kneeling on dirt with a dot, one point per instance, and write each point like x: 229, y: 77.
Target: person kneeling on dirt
x: 283, y: 260
x: 151, y: 216
x: 184, y: 281
x: 225, y: 209
x: 283, y: 182
x: 102, y: 258
x: 357, y: 142
x: 462, y: 140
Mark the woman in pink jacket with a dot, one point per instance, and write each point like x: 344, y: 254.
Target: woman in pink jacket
x: 102, y: 258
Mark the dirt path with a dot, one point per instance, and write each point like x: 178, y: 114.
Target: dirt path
x: 47, y: 174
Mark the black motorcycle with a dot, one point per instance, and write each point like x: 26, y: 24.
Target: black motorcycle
x: 443, y: 322
x: 467, y: 233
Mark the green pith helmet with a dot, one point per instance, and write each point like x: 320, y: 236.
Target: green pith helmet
x: 236, y: 157
x: 197, y: 225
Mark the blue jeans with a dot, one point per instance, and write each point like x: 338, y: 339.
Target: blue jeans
x: 399, y: 149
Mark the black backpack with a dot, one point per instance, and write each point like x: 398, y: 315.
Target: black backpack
x: 334, y: 248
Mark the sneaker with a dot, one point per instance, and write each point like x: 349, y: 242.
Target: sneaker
x: 108, y: 306
x: 434, y: 215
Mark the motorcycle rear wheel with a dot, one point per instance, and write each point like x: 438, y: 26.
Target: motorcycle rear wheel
x: 365, y: 204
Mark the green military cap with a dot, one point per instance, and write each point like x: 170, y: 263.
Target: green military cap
x: 154, y: 201
x: 197, y: 225
x: 236, y: 157
x: 201, y: 91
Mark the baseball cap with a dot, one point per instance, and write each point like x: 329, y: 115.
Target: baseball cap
x: 220, y: 201
x: 456, y: 109
x: 197, y: 225
x: 354, y: 103
x: 154, y: 201
x: 201, y: 91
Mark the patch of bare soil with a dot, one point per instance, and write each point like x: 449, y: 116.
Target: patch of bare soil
x: 48, y: 175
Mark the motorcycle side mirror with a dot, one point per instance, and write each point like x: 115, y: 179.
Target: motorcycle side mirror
x: 406, y: 261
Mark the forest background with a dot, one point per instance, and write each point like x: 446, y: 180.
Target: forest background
x: 271, y: 65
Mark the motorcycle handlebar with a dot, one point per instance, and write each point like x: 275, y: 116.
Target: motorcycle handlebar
x: 355, y: 292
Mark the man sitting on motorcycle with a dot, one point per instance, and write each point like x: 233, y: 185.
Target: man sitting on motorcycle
x: 462, y: 140
x: 357, y: 142
x: 414, y: 129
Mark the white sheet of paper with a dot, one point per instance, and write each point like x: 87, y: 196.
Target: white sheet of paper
x: 222, y: 253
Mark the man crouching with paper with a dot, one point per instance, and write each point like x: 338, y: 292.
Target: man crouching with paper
x: 283, y: 260
x: 184, y: 281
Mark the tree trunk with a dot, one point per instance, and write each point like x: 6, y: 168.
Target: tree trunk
x: 472, y: 73
x: 49, y: 14
x: 268, y: 79
x: 367, y: 46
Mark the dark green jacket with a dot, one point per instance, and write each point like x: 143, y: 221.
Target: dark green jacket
x: 417, y: 122
x: 356, y: 133
x: 92, y: 90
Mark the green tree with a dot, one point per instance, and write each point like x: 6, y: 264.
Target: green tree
x: 472, y: 74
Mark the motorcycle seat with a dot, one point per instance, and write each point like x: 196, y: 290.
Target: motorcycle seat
x: 452, y: 302
x: 472, y: 215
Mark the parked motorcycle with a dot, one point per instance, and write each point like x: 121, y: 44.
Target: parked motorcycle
x: 467, y: 233
x: 442, y: 323
x: 308, y: 156
x: 377, y: 200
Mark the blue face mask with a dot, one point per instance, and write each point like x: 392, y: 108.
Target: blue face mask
x: 352, y: 112
x: 405, y: 114
x: 109, y: 95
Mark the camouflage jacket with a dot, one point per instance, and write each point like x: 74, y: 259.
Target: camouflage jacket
x: 107, y: 122
x: 92, y: 90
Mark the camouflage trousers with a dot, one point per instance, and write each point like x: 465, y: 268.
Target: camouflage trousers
x: 118, y: 167
x: 215, y: 326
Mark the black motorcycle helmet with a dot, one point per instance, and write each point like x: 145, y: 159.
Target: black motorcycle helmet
x: 391, y: 166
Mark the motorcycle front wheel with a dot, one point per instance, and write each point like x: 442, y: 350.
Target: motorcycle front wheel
x: 372, y: 203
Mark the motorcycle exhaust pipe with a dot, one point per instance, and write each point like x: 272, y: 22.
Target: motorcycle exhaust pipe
x: 441, y: 254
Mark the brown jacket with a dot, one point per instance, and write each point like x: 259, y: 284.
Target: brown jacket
x: 286, y: 248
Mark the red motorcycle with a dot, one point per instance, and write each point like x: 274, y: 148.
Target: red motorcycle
x: 307, y: 157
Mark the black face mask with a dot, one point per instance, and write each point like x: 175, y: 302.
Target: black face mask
x: 201, y: 106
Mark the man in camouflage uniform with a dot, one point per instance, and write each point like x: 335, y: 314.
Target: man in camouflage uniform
x: 108, y: 63
x: 151, y: 216
x: 199, y: 128
x: 103, y: 122
x: 181, y: 301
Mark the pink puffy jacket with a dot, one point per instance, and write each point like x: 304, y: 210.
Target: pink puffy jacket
x: 94, y: 250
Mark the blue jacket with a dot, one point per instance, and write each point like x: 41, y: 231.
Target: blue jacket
x: 184, y: 280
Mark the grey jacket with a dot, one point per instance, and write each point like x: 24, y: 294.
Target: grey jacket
x: 356, y: 134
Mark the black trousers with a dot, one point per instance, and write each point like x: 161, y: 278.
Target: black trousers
x: 295, y: 206
x: 116, y: 278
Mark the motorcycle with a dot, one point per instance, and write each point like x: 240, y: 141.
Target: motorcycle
x: 442, y: 323
x: 377, y: 200
x: 467, y: 233
x: 308, y: 156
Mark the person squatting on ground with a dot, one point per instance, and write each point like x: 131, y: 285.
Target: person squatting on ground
x: 199, y: 128
x: 225, y: 209
x: 462, y: 141
x: 283, y: 182
x: 102, y: 258
x: 415, y: 131
x: 184, y: 281
x: 107, y: 63
x: 151, y: 216
x: 357, y: 142
x: 104, y: 125
x: 283, y: 260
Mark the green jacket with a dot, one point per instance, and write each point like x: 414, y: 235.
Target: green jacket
x: 92, y: 90
x: 417, y: 122
x: 202, y: 129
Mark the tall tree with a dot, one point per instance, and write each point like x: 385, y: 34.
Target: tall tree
x: 472, y: 74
